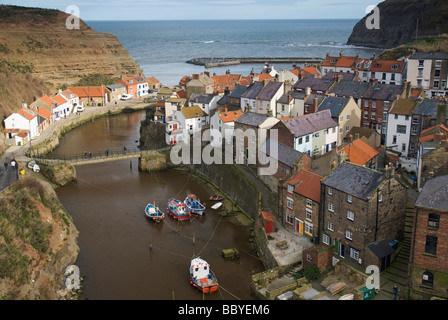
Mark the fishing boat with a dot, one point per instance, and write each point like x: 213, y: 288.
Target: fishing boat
x: 193, y: 204
x: 215, y: 198
x: 153, y: 212
x: 217, y: 205
x: 202, y: 277
x: 177, y: 210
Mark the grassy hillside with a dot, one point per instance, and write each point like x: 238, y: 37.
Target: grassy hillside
x: 430, y: 44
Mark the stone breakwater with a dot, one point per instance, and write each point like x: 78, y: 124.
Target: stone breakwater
x: 216, y: 62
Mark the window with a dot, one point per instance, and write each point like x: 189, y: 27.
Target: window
x: 394, y: 140
x: 396, y: 116
x: 341, y: 118
x: 326, y: 239
x: 373, y: 104
x: 401, y: 129
x: 403, y: 147
x: 308, y: 257
x: 289, y: 219
x: 300, y: 140
x: 350, y: 215
x: 308, y: 228
x: 330, y: 207
x: 309, y: 202
x: 290, y: 188
x: 330, y: 191
x: 349, y: 235
x: 433, y: 221
x: 330, y: 226
x: 349, y: 198
x: 307, y: 139
x: 309, y: 214
x: 366, y: 114
x: 354, y: 254
x: 372, y: 116
x: 347, y: 128
x: 437, y: 73
x: 366, y: 104
x: 431, y: 245
x: 427, y: 279
x: 380, y: 197
x: 386, y: 105
x: 348, y: 117
x: 420, y: 63
x: 436, y: 84
x: 289, y: 203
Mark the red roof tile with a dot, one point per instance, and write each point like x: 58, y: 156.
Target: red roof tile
x: 307, y: 184
x: 359, y: 152
x: 85, y: 92
x: 230, y: 116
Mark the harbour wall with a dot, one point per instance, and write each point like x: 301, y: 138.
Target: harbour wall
x: 217, y: 62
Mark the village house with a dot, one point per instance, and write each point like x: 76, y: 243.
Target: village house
x: 375, y: 105
x: 369, y: 136
x: 360, y: 153
x: 429, y: 257
x: 173, y: 104
x: 91, y: 96
x: 314, y: 85
x: 291, y: 76
x: 363, y: 210
x: 22, y: 126
x: 116, y: 91
x: 338, y: 76
x: 191, y: 119
x: 313, y: 134
x: 165, y: 93
x: 199, y: 84
x: 343, y: 110
x: 174, y: 133
x: 45, y: 118
x: 208, y: 102
x: 267, y: 99
x: 153, y: 83
x: 388, y: 72
x: 339, y: 64
x: 432, y: 156
x: 347, y: 89
x: 135, y: 86
x: 225, y: 82
x: 234, y: 102
x: 291, y: 104
x: 286, y: 159
x: 300, y: 201
x: 249, y: 97
x: 160, y: 112
x: 224, y: 123
x: 429, y: 71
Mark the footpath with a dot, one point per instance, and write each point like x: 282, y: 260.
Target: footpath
x: 18, y: 153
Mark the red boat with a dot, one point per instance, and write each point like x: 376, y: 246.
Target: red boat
x: 215, y: 198
x: 202, y: 277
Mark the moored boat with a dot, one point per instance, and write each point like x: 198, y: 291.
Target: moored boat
x: 153, y: 212
x: 215, y: 198
x: 202, y: 277
x: 217, y: 205
x: 177, y: 210
x: 193, y: 205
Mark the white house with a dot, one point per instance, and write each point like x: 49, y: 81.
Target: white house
x: 399, y: 122
x: 266, y: 101
x: 224, y: 122
x: 207, y: 102
x: 173, y: 104
x: 174, y: 133
x: 191, y: 119
x: 287, y: 75
x: 24, y: 121
x: 249, y: 97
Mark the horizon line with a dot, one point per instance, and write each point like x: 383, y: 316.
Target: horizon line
x: 248, y: 19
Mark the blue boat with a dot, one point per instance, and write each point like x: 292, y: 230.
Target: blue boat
x: 153, y: 212
x: 177, y: 210
x: 194, y: 206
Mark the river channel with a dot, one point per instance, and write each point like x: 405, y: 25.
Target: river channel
x: 125, y: 256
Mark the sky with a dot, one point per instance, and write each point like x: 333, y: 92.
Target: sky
x: 206, y: 9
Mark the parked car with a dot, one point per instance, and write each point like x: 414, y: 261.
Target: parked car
x: 126, y: 97
x: 33, y: 165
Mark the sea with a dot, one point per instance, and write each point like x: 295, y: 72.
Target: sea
x: 161, y: 48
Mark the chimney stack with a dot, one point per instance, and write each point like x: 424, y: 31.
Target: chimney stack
x: 196, y: 76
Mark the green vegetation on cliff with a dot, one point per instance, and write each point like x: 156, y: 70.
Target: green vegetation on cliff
x: 429, y: 44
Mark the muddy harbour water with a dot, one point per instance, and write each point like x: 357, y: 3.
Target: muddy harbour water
x: 125, y: 256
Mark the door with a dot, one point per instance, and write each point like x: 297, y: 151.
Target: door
x: 299, y: 226
x: 342, y: 250
x: 268, y: 227
x: 385, y: 263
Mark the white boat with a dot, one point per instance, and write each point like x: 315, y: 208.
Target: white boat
x: 348, y: 296
x: 217, y: 205
x: 202, y: 277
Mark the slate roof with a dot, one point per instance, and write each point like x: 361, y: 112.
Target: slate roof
x: 251, y: 119
x: 334, y: 104
x: 115, y: 86
x: 430, y: 55
x: 345, y: 88
x: 310, y: 123
x: 345, y: 75
x: 384, y: 92
x: 427, y: 107
x: 434, y: 194
x: 269, y: 90
x: 310, y: 99
x: 237, y: 92
x: 288, y: 96
x: 316, y: 84
x: 253, y: 90
x: 201, y: 98
x: 381, y: 248
x: 353, y: 179
x: 285, y: 154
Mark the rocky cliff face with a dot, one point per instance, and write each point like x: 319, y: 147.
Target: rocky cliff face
x: 402, y: 21
x: 40, y: 40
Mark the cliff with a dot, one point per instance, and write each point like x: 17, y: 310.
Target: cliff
x: 37, y: 242
x: 37, y: 47
x: 402, y: 21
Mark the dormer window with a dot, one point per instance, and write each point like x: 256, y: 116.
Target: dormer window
x: 394, y: 67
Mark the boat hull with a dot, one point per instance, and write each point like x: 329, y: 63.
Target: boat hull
x: 153, y: 213
x: 193, y: 205
x: 177, y: 210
